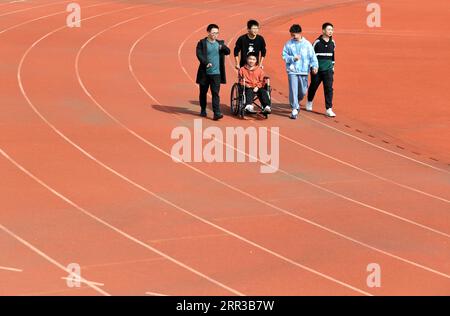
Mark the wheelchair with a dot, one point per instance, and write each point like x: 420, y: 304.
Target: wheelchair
x: 238, y: 99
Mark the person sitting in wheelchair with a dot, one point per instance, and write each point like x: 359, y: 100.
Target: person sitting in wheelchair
x: 252, y: 77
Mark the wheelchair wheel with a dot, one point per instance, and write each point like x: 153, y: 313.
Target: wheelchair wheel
x: 235, y: 100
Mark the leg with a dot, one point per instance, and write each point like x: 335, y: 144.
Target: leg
x: 249, y: 95
x: 328, y: 79
x: 293, y: 91
x: 263, y: 97
x: 215, y: 91
x: 302, y: 87
x: 203, y: 97
x: 316, y: 79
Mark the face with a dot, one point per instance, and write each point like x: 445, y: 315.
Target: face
x: 251, y: 61
x: 296, y: 36
x: 328, y: 31
x: 254, y: 30
x: 213, y: 34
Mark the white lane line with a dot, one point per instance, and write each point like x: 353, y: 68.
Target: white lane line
x: 162, y: 151
x: 117, y: 230
x: 32, y: 8
x: 88, y: 155
x: 10, y: 269
x: 155, y: 294
x: 404, y: 186
x: 377, y: 146
x: 317, y: 186
x: 48, y: 16
x: 48, y: 258
x: 245, y: 193
x: 163, y: 199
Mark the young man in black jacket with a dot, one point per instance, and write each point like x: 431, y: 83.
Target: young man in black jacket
x: 324, y: 48
x: 211, y: 53
x: 250, y: 43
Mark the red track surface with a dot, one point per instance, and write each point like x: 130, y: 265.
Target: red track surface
x: 87, y: 176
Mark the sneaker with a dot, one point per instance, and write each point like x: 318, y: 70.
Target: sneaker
x: 203, y: 114
x: 330, y: 113
x: 217, y: 117
x: 267, y: 109
x: 250, y: 108
x: 309, y: 106
x: 294, y: 114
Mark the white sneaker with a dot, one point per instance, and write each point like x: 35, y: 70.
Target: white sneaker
x: 330, y: 113
x: 309, y: 106
x: 294, y: 114
x: 267, y: 109
x: 250, y: 108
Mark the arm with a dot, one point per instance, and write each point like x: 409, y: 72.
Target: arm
x: 199, y: 53
x: 224, y: 49
x: 242, y: 73
x: 261, y: 79
x: 241, y: 76
x: 261, y: 62
x: 313, y: 59
x: 263, y: 51
x: 286, y: 55
x: 237, y: 49
x: 334, y: 52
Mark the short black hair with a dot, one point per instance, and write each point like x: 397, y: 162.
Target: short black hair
x: 252, y: 54
x: 295, y: 28
x: 252, y: 23
x: 327, y: 24
x: 212, y: 26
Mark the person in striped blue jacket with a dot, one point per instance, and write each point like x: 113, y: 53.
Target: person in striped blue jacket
x: 298, y: 53
x: 324, y: 48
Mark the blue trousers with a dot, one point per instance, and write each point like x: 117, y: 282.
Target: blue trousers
x: 298, y: 86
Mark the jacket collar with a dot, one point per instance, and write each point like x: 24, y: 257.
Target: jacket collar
x: 320, y: 38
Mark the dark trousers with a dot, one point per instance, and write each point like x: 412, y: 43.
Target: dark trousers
x: 327, y: 77
x: 262, y: 96
x: 213, y: 81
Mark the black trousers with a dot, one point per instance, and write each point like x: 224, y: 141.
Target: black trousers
x: 327, y: 77
x: 262, y: 96
x: 213, y: 82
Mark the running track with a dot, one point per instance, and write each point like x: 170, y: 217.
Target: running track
x: 87, y: 175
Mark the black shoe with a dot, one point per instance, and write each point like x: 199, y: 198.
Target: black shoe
x: 203, y: 114
x: 217, y: 117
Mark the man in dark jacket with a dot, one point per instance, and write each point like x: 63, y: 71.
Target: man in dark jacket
x: 324, y: 48
x: 211, y: 53
x: 248, y: 43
